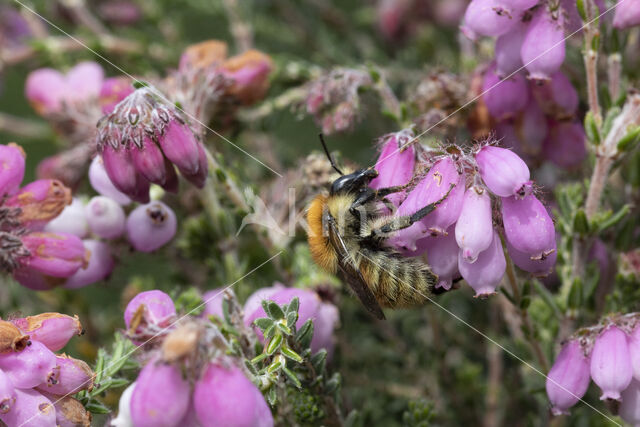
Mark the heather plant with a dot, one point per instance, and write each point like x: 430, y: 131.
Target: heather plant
x: 158, y: 164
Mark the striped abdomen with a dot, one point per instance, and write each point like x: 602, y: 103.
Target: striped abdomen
x: 394, y: 280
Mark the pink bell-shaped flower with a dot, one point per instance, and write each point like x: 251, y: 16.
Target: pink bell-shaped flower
x: 151, y: 226
x: 566, y: 144
x: 568, y: 378
x: 557, y: 97
x: 105, y: 217
x: 100, y: 265
x: 31, y: 409
x: 395, y: 167
x: 474, y: 228
x: 626, y: 14
x: 484, y: 275
x: 12, y: 164
x: 528, y: 226
x: 54, y: 330
x: 611, y: 366
x: 629, y: 409
x: 503, y: 171
x: 543, y: 48
x: 504, y: 98
x: 30, y: 367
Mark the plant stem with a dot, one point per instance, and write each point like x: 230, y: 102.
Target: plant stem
x: 23, y: 127
x: 591, y: 36
x: 240, y: 29
x: 614, y: 71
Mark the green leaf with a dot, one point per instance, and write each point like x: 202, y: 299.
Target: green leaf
x: 250, y: 367
x: 547, y: 298
x: 575, y: 294
x: 272, y: 396
x: 614, y: 219
x: 630, y: 140
x: 592, y: 277
x: 525, y: 301
x: 294, y: 306
x: 581, y: 9
x: 272, y: 309
x: 305, y: 334
x: 319, y: 361
x: 580, y: 222
x: 292, y: 318
x: 290, y: 354
x: 608, y: 120
x: 284, y: 328
x: 95, y: 407
x: 263, y: 323
x: 292, y: 376
x: 259, y: 358
x: 274, y: 344
x: 591, y: 128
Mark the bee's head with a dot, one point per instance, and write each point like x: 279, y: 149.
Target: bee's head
x: 353, y: 182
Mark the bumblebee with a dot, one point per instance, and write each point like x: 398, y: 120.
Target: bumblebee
x: 347, y: 234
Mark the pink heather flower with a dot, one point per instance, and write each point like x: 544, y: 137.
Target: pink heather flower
x: 568, y: 378
x: 114, y: 90
x: 395, y: 167
x: 72, y: 220
x: 474, y: 226
x: 39, y: 202
x: 503, y: 171
x: 29, y: 367
x: 7, y: 393
x: 531, y: 128
x: 485, y: 274
x: 528, y: 226
x: 611, y: 366
x: 220, y: 385
x: 538, y: 267
x: 157, y: 308
x: 100, y: 265
x: 489, y: 18
x: 634, y: 351
x: 507, y: 51
x: 213, y: 303
x: 543, y: 48
x: 54, y: 254
x: 629, y: 409
x: 161, y: 396
x: 101, y: 182
x: 504, y: 98
x: 83, y: 81
x: 311, y: 307
x: 566, y: 144
x: 626, y: 14
x: 44, y: 89
x: 31, y: 409
x: 249, y: 73
x: 69, y: 377
x: 105, y: 217
x: 151, y: 226
x: 557, y: 97
x: 520, y: 4
x: 432, y: 188
x: 442, y: 254
x: 391, y: 17
x: 141, y: 139
x: 12, y: 163
x: 69, y: 411
x: 53, y: 330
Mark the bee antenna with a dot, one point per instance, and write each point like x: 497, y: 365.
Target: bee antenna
x: 326, y: 151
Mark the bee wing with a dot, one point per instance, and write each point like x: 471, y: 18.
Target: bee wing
x: 352, y: 275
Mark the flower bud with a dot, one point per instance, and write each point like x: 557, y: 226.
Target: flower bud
x: 150, y: 162
x: 105, y: 217
x: 543, y: 48
x: 99, y: 268
x: 538, y: 267
x: 7, y: 393
x: 70, y: 376
x: 568, y: 378
x: 29, y: 367
x: 203, y: 54
x: 395, y: 167
x: 626, y: 14
x: 485, y: 274
x: 504, y: 98
x: 83, y: 81
x: 199, y: 178
x: 180, y: 146
x: 12, y: 163
x: 528, y: 226
x: 507, y: 51
x: 101, y: 182
x: 40, y: 201
x: 217, y: 386
x: 629, y: 409
x: 557, y: 97
x: 436, y: 184
x: 124, y: 409
x: 611, y: 366
x: 474, y: 226
x: 44, y: 89
x: 161, y: 396
x: 123, y: 174
x: 114, y: 90
x: 634, y: 351
x: 565, y: 146
x: 69, y: 411
x: 53, y: 330
x: 503, y: 171
x: 150, y: 307
x: 488, y: 18
x: 151, y: 226
x: 250, y: 74
x: 72, y: 220
x: 31, y: 409
x: 11, y: 338
x: 54, y: 254
x: 442, y: 254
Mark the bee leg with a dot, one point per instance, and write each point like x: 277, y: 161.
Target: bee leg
x: 369, y: 194
x: 401, y: 222
x: 381, y: 193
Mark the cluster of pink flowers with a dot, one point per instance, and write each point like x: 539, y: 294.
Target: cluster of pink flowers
x: 195, y: 375
x: 609, y: 354
x: 36, y: 383
x: 461, y: 236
